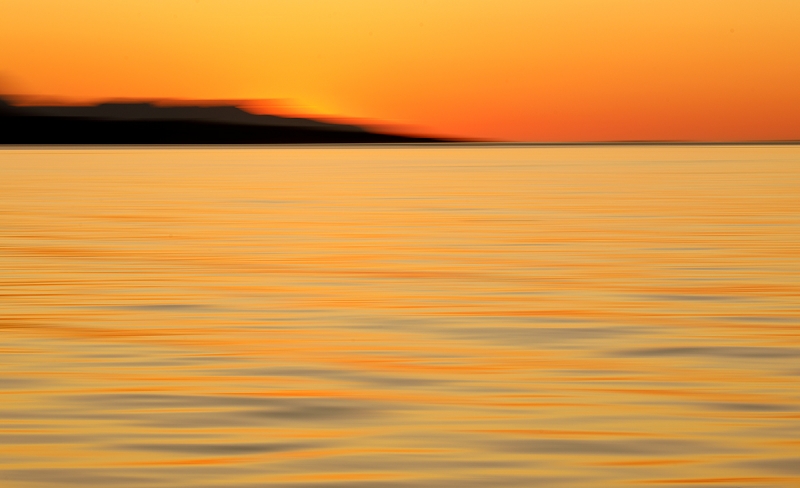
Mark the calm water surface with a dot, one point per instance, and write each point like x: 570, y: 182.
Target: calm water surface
x: 400, y: 317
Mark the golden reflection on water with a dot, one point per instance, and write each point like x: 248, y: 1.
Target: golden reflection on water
x: 400, y: 317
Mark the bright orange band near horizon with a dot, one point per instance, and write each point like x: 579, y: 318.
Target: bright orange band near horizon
x: 533, y: 70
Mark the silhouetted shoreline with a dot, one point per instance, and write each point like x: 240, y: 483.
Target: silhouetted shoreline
x: 144, y: 123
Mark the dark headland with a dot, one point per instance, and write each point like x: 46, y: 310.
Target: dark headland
x: 149, y: 123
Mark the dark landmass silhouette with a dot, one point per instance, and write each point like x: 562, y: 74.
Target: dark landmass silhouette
x: 143, y: 123
x: 148, y: 123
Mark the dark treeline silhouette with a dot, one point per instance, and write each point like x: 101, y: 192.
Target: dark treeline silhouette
x: 146, y: 123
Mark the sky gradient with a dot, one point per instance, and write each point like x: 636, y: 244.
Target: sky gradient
x: 534, y: 70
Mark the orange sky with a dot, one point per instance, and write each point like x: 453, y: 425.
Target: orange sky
x: 539, y: 70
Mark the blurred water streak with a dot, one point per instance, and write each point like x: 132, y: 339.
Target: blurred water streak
x: 400, y: 317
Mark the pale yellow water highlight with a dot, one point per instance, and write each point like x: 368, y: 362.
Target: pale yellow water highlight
x: 400, y: 317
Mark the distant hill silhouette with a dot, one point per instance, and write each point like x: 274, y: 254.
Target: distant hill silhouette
x: 147, y: 123
x: 149, y: 111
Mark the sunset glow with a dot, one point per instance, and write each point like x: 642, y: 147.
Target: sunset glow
x: 544, y: 70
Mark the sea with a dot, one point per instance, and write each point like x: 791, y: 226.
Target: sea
x: 454, y: 316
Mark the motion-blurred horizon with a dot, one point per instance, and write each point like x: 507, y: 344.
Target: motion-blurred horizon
x: 566, y: 70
